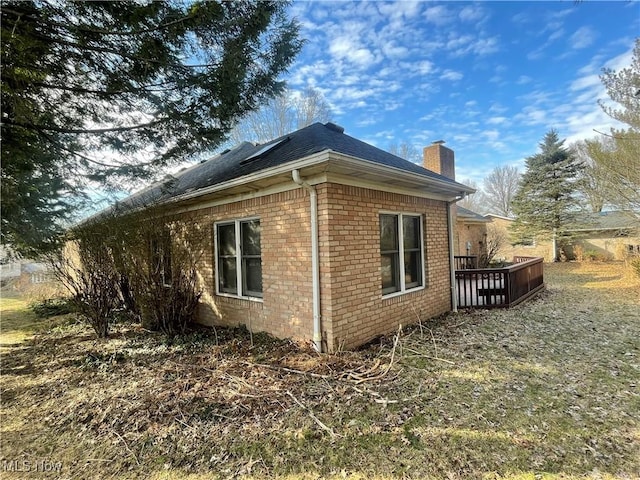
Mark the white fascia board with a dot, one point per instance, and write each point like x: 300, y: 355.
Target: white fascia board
x: 357, y: 182
x: 401, y: 174
x: 495, y: 215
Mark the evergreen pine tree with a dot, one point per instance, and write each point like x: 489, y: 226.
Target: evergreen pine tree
x: 105, y: 93
x: 546, y: 205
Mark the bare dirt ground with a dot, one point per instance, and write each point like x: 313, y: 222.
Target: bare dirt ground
x: 548, y: 389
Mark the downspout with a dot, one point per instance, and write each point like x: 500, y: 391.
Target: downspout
x: 452, y: 264
x: 315, y: 270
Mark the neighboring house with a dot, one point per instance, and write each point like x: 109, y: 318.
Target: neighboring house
x: 613, y: 235
x: 10, y: 266
x: 320, y: 236
x: 471, y: 233
x: 610, y: 235
x: 21, y: 272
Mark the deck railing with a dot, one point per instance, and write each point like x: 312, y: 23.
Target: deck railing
x: 465, y: 262
x: 499, y: 287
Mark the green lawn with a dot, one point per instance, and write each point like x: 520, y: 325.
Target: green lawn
x: 548, y: 389
x: 17, y: 322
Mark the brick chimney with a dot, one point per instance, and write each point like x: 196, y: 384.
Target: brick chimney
x: 440, y: 159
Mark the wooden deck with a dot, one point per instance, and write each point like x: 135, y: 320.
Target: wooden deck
x: 499, y: 287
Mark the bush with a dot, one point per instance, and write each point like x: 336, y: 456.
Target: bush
x: 169, y: 307
x: 593, y: 256
x: 635, y: 266
x: 52, y: 307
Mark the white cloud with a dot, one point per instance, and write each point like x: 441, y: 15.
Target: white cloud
x: 439, y: 15
x: 466, y: 44
x: 534, y: 116
x: 587, y: 81
x: 496, y: 120
x: 421, y: 67
x: 582, y: 38
x: 472, y: 13
x: 399, y: 11
x: 491, y: 135
x: 555, y: 35
x: 367, y: 122
x: 451, y: 75
x: 392, y: 50
x: 497, y: 108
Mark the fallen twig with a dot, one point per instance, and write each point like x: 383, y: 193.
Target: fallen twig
x: 135, y: 457
x: 288, y: 370
x: 393, y: 351
x: 313, y: 417
x: 422, y: 355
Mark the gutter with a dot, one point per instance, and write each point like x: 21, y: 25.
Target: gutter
x: 315, y: 270
x: 452, y: 265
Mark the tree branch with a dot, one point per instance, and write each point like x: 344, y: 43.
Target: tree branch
x: 53, y: 128
x: 79, y: 155
x: 99, y: 30
x: 77, y: 89
x: 617, y: 137
x: 119, y: 53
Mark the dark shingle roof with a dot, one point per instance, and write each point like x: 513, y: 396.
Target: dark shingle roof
x: 470, y: 214
x: 610, y: 220
x: 238, y: 162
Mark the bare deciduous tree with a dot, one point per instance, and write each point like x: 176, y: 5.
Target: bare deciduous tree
x: 619, y: 158
x: 593, y: 182
x: 405, y: 150
x: 500, y: 186
x: 287, y: 112
x: 476, y: 201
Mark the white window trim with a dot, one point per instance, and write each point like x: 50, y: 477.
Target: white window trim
x: 240, y: 294
x: 403, y: 290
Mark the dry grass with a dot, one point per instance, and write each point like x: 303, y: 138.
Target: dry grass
x: 545, y: 390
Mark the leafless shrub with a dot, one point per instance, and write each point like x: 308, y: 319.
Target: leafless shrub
x: 158, y: 256
x: 144, y: 261
x: 86, y: 268
x: 497, y: 237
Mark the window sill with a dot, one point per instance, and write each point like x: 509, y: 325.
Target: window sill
x: 405, y: 292
x: 237, y: 297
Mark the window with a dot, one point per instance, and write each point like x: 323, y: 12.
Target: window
x: 239, y: 258
x: 401, y: 258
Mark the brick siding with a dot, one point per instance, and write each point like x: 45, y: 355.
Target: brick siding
x: 353, y: 310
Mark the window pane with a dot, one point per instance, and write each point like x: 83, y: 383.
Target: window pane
x: 411, y: 232
x: 250, y: 237
x: 253, y: 276
x: 228, y: 275
x: 389, y: 270
x: 227, y: 239
x: 412, y: 269
x: 388, y: 233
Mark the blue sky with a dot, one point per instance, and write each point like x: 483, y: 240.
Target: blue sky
x: 490, y: 78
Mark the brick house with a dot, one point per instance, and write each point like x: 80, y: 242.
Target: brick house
x: 612, y: 235
x: 319, y: 236
x: 471, y: 232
